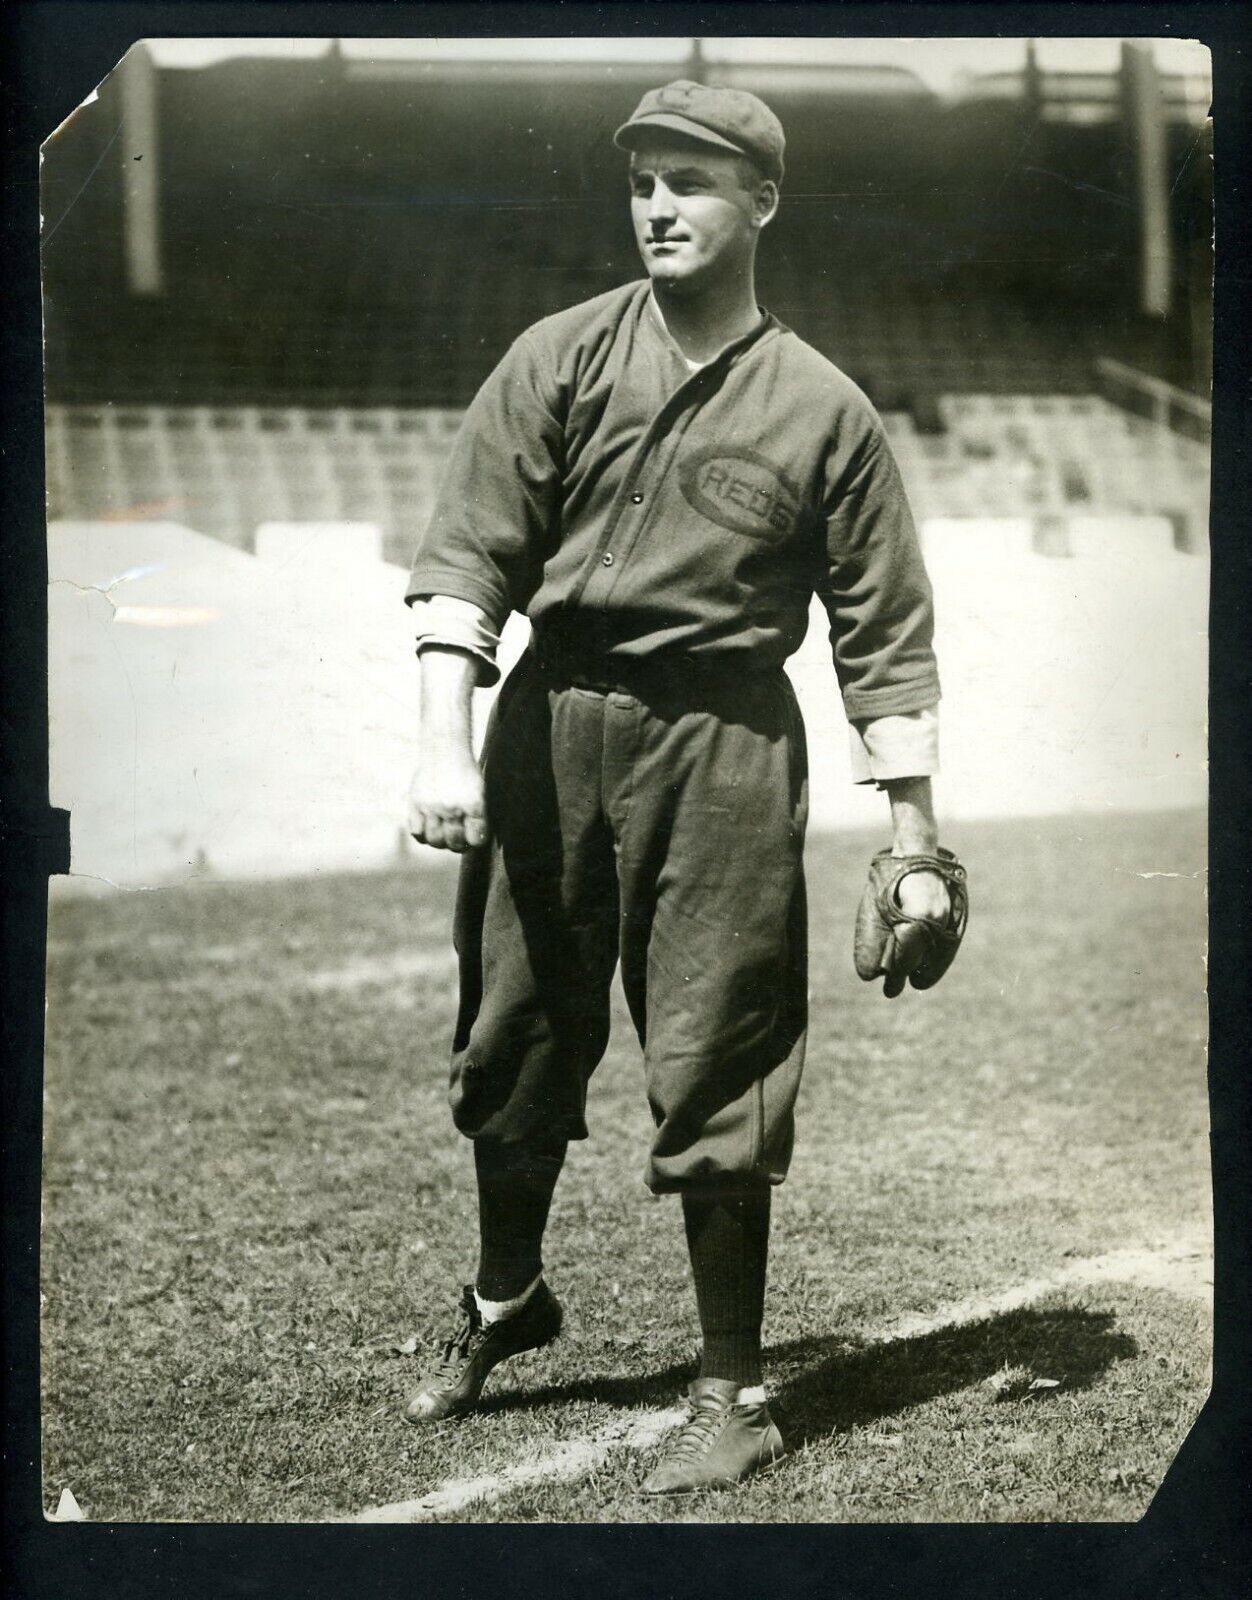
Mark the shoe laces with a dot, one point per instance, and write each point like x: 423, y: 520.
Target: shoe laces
x: 696, y: 1436
x: 456, y: 1350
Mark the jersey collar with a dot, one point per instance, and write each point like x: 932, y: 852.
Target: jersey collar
x: 766, y: 322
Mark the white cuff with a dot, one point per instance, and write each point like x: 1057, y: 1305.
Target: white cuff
x: 901, y: 746
x: 441, y: 619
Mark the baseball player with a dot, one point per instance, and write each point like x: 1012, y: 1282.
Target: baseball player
x: 661, y: 478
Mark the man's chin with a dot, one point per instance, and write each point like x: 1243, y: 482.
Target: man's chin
x: 670, y: 275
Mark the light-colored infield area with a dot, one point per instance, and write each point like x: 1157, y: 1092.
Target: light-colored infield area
x: 989, y: 1290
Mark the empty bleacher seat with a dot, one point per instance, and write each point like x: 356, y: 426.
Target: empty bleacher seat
x: 227, y: 469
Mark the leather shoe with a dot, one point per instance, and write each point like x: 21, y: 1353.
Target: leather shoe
x: 453, y: 1388
x: 719, y: 1444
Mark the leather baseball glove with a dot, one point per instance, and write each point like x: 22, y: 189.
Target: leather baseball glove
x: 890, y: 944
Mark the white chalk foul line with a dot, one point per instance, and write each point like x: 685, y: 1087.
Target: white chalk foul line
x: 1183, y: 1267
x: 574, y: 1460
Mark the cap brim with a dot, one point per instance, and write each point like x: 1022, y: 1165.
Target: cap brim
x: 627, y: 136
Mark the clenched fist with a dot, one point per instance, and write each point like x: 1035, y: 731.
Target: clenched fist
x: 924, y: 894
x: 446, y: 799
x: 446, y: 794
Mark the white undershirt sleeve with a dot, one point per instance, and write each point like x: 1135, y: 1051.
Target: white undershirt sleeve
x: 441, y: 619
x: 899, y: 746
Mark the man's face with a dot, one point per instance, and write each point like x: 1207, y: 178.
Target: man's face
x: 694, y: 215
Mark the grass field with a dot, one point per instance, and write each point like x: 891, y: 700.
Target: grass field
x: 254, y: 1195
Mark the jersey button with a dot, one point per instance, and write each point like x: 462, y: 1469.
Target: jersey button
x: 606, y: 560
x: 636, y: 499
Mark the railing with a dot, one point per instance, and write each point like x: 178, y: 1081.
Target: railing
x: 224, y: 470
x: 1165, y: 403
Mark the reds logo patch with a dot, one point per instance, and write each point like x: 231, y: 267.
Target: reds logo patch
x: 741, y: 490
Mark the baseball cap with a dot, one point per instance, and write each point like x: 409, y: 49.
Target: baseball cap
x: 727, y: 119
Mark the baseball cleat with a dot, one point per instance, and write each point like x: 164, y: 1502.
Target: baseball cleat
x: 719, y: 1444
x: 453, y: 1388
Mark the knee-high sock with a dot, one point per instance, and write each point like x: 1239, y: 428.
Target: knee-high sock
x: 515, y: 1185
x: 728, y: 1238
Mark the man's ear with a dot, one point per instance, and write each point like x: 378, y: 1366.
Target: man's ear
x: 765, y: 203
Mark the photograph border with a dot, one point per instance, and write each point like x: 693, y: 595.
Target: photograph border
x: 1194, y: 1538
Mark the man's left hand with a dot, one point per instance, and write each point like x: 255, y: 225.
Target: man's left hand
x: 924, y: 894
x: 911, y: 919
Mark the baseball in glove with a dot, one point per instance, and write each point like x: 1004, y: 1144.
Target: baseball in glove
x: 889, y: 943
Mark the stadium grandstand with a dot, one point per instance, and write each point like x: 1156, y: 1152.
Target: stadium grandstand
x: 276, y: 270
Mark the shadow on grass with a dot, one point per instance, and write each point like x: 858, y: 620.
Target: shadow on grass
x: 824, y: 1386
x: 829, y: 1385
x: 648, y: 1390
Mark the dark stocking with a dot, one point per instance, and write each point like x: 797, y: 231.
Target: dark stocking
x: 515, y: 1185
x: 728, y: 1237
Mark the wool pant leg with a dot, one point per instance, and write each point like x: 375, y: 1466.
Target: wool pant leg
x: 728, y: 1239
x: 709, y: 800
x: 515, y: 1187
x: 536, y: 921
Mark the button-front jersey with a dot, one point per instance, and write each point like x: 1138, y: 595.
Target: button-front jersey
x: 635, y: 510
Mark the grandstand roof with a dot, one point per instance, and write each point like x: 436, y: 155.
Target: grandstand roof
x: 947, y: 67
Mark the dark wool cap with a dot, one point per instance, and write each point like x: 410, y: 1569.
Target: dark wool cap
x: 727, y: 119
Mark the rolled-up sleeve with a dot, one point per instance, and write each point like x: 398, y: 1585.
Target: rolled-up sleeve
x: 442, y: 621
x: 496, y: 516
x: 875, y: 591
x: 907, y: 746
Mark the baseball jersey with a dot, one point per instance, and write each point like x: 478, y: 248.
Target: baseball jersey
x: 635, y: 509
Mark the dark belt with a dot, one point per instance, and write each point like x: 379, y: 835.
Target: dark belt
x: 662, y: 674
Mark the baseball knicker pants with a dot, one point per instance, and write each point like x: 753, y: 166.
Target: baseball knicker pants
x: 664, y: 828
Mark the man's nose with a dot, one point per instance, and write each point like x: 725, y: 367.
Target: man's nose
x: 661, y: 205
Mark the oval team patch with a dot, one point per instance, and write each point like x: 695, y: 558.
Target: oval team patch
x: 741, y: 490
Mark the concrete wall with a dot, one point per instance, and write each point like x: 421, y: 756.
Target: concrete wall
x: 223, y: 714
